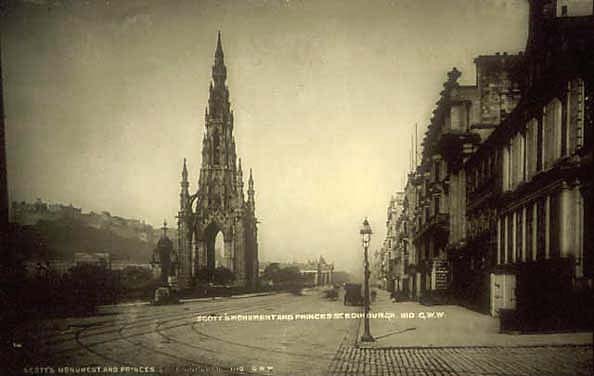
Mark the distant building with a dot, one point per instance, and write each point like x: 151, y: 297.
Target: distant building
x: 121, y: 265
x: 102, y: 259
x: 41, y: 267
x: 392, y: 257
x: 30, y: 213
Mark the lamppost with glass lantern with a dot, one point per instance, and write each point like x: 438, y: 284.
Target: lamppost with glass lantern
x: 365, y: 237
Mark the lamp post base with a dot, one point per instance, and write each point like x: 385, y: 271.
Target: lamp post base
x: 367, y: 338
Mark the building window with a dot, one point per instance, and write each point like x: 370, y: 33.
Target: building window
x: 552, y: 132
x: 510, y: 166
x: 587, y: 237
x: 555, y: 228
x: 521, y: 161
x: 541, y: 230
x: 531, y: 147
x: 436, y: 170
x: 564, y: 10
x: 579, y: 114
x: 518, y: 245
x: 564, y: 120
x: 482, y: 172
x: 506, y: 169
x: 587, y: 106
x: 436, y: 205
x: 516, y: 159
x: 510, y: 238
x: 539, y: 144
x: 500, y: 240
x: 529, y: 232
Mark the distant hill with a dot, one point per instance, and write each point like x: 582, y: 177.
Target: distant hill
x: 25, y: 213
x: 63, y: 238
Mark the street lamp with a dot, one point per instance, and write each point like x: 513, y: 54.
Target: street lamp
x: 365, y: 237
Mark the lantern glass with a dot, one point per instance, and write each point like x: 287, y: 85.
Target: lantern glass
x: 366, y: 233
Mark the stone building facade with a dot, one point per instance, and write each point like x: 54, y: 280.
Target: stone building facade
x: 485, y: 105
x: 543, y: 180
x: 405, y: 235
x: 219, y: 205
x: 393, y: 254
x: 501, y: 198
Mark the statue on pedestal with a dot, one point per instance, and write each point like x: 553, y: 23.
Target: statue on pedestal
x: 164, y: 256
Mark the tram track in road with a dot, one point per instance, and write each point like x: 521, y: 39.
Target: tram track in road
x: 178, y: 358
x: 233, y: 343
x: 148, y: 318
x: 141, y: 318
x: 97, y: 353
x: 252, y: 347
x: 205, y: 367
x: 158, y: 323
x: 91, y: 347
x: 160, y: 330
x: 136, y: 332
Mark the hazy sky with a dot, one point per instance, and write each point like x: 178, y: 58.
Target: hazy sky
x: 104, y: 100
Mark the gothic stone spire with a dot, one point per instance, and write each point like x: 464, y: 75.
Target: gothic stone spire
x: 184, y: 195
x: 218, y: 102
x: 219, y: 71
x: 251, y: 192
x: 218, y: 204
x: 185, y: 172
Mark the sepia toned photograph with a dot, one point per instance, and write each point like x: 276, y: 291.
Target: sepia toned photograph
x: 296, y: 187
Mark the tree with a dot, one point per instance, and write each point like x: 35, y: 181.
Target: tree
x: 290, y: 274
x: 286, y: 278
x: 91, y: 285
x: 271, y: 272
x: 136, y: 277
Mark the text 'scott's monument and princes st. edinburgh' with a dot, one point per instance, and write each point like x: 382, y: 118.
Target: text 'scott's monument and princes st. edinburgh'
x: 219, y: 204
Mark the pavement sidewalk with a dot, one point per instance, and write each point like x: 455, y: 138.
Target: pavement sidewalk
x: 415, y: 325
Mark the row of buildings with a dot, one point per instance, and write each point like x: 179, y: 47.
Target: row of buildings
x: 497, y: 213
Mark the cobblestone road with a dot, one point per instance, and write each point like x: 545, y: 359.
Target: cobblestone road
x: 546, y: 360
x: 464, y: 343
